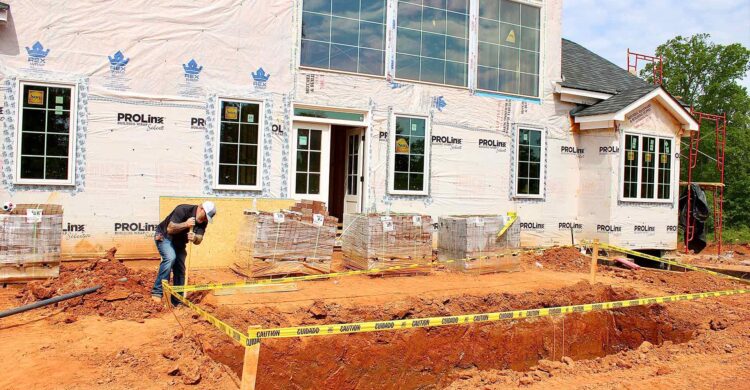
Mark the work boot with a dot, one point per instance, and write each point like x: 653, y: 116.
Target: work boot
x: 156, y: 299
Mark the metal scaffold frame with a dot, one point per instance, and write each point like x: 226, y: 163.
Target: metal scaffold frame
x: 720, y: 130
x: 658, y: 68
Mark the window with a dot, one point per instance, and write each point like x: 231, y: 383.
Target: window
x: 352, y: 172
x: 239, y: 145
x: 508, y: 47
x: 530, y: 167
x: 409, y: 158
x: 344, y: 35
x: 47, y: 131
x: 309, y: 151
x: 432, y: 43
x: 647, y: 168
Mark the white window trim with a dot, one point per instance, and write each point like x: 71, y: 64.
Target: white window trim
x: 71, y: 140
x: 217, y: 144
x: 621, y: 181
x: 542, y: 164
x: 392, y: 155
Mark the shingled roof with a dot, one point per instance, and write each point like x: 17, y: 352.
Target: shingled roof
x: 583, y: 69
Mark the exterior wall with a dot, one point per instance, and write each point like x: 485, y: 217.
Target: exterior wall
x: 123, y: 169
x: 631, y: 224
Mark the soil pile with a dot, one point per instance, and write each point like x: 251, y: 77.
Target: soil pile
x: 559, y: 259
x: 125, y: 293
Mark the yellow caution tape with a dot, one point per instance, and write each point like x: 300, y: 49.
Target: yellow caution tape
x: 221, y: 325
x: 375, y: 326
x: 667, y: 261
x: 513, y: 218
x: 290, y: 279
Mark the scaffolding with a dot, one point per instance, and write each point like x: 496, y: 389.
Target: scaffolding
x: 720, y: 130
x: 657, y: 67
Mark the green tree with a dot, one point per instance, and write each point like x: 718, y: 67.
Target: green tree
x: 706, y: 76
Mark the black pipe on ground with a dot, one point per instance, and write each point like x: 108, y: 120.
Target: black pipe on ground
x: 49, y: 301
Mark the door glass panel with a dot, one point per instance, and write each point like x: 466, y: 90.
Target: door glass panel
x: 308, y: 159
x: 353, y: 169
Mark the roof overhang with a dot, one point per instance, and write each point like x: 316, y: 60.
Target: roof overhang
x: 580, y: 96
x: 659, y: 94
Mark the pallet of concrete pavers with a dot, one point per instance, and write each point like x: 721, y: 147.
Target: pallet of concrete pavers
x: 30, y: 244
x: 380, y: 241
x: 472, y: 243
x: 295, y: 246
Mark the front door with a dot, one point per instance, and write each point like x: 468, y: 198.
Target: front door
x: 310, y: 157
x: 353, y: 185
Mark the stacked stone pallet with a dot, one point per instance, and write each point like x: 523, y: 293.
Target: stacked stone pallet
x: 30, y: 244
x: 472, y: 242
x: 381, y: 241
x: 297, y: 245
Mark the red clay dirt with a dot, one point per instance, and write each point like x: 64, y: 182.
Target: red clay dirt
x: 702, y: 344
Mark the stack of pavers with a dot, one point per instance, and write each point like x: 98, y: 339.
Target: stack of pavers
x: 298, y: 241
x: 30, y: 240
x: 377, y: 241
x: 470, y: 243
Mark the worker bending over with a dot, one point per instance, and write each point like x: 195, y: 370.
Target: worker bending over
x: 186, y: 223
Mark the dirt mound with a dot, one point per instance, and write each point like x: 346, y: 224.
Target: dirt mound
x: 125, y: 293
x: 559, y: 259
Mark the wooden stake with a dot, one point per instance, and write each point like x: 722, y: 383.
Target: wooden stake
x: 167, y: 297
x: 594, y: 260
x: 250, y: 364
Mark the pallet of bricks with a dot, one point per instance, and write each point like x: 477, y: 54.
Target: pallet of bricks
x: 30, y: 239
x: 375, y: 241
x: 298, y: 241
x: 472, y: 242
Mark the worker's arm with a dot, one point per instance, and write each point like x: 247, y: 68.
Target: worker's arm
x: 174, y: 227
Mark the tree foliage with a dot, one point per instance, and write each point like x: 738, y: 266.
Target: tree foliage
x: 706, y: 76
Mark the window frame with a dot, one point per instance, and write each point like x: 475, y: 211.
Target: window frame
x: 217, y: 144
x: 392, y: 155
x: 542, y: 35
x: 542, y: 163
x: 394, y: 52
x: 72, y: 135
x: 639, y: 183
x: 391, y: 41
x: 386, y: 48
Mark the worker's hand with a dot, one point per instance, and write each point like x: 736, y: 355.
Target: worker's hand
x: 190, y: 222
x: 191, y: 237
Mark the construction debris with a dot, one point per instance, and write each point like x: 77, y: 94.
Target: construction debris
x: 380, y: 240
x: 295, y: 241
x: 473, y: 245
x: 30, y: 238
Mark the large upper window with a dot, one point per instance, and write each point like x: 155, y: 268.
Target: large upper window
x: 239, y: 145
x: 647, y: 168
x: 530, y: 166
x: 432, y: 42
x: 508, y: 47
x: 344, y: 35
x: 409, y: 156
x: 47, y: 128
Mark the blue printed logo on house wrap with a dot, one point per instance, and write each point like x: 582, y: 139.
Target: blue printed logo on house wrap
x: 260, y: 78
x: 192, y: 70
x: 117, y: 62
x: 37, y: 54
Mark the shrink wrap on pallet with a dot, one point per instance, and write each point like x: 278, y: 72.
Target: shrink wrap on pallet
x: 378, y: 240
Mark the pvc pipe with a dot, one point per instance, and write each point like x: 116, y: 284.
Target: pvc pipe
x: 49, y: 301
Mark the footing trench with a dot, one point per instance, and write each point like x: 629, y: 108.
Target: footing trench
x: 427, y: 343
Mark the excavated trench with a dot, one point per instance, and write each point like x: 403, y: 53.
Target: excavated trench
x: 434, y: 357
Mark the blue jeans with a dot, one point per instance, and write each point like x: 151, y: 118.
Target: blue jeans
x: 172, y: 261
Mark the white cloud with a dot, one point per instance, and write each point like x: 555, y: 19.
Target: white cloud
x: 610, y: 27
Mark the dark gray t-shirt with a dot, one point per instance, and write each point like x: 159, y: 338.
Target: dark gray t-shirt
x: 181, y: 214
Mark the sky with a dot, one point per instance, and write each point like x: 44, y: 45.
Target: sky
x: 610, y: 27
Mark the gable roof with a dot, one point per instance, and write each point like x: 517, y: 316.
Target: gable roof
x: 584, y: 69
x: 616, y: 102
